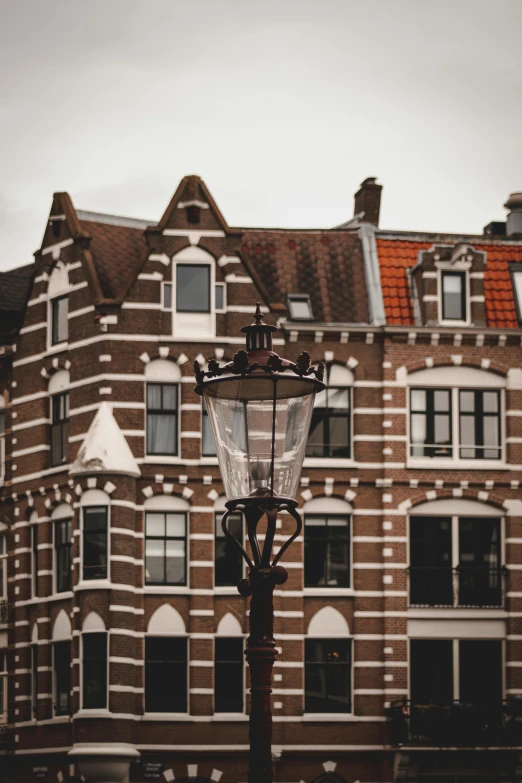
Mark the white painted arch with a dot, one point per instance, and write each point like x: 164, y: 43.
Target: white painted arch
x: 58, y: 281
x: 194, y: 253
x: 93, y: 622
x: 456, y: 376
x: 166, y: 503
x: 455, y: 507
x: 328, y: 622
x: 327, y: 505
x: 95, y: 497
x: 63, y: 511
x: 338, y: 375
x: 162, y: 370
x: 34, y: 634
x: 166, y: 621
x: 62, y: 627
x: 59, y: 382
x: 229, y: 626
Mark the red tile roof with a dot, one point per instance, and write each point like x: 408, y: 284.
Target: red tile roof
x: 397, y: 255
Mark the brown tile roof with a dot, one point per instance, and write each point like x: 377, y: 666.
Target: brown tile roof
x: 15, y: 286
x: 397, y: 255
x: 327, y: 265
x: 117, y: 253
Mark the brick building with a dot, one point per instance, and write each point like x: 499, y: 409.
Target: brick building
x: 399, y: 628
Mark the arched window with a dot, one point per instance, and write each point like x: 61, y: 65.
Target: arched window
x: 94, y: 663
x: 327, y: 551
x: 229, y: 666
x: 455, y: 414
x: 166, y: 521
x: 166, y: 661
x: 33, y: 521
x: 330, y: 431
x: 59, y: 393
x: 57, y: 294
x: 95, y: 540
x: 328, y: 663
x: 62, y: 517
x: 195, y: 298
x: 228, y: 560
x: 162, y: 383
x: 34, y: 671
x: 456, y: 554
x: 61, y: 640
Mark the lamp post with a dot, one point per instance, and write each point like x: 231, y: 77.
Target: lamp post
x: 260, y: 407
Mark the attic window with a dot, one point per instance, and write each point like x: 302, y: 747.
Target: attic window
x: 299, y: 307
x: 193, y: 213
x: 516, y: 277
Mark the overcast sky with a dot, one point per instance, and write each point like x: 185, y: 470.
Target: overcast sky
x: 283, y: 107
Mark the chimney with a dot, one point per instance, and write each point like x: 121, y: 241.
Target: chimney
x: 368, y: 200
x: 514, y: 218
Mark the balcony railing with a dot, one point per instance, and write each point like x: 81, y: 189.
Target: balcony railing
x: 456, y: 724
x: 464, y: 586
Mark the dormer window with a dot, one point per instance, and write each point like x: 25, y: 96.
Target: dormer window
x: 193, y: 288
x: 453, y: 299
x: 516, y: 277
x: 59, y: 314
x: 299, y: 307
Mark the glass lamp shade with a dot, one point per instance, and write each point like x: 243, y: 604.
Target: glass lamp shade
x: 260, y: 426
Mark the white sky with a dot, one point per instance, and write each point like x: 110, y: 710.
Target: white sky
x: 282, y: 106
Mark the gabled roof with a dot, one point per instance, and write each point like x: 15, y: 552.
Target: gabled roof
x: 15, y: 286
x: 397, y: 254
x: 327, y: 265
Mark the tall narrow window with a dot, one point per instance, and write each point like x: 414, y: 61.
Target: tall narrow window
x: 453, y: 296
x: 95, y: 542
x: 229, y: 662
x: 219, y: 297
x: 3, y: 567
x: 330, y: 430
x: 328, y: 664
x: 193, y: 288
x: 62, y: 546
x: 228, y: 567
x: 165, y: 548
x: 166, y: 674
x: 431, y: 671
x: 327, y: 551
x: 59, y: 428
x: 94, y: 683
x: 516, y: 279
x: 34, y: 558
x: 430, y: 423
x: 479, y: 424
x: 162, y: 419
x: 208, y: 446
x: 59, y: 316
x: 62, y: 677
x: 34, y: 680
x: 167, y: 296
x: 431, y: 580
x: 2, y: 445
x: 3, y: 686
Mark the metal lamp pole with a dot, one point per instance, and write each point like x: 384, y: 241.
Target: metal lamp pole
x: 260, y: 408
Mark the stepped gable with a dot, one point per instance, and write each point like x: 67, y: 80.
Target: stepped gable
x: 328, y: 265
x: 396, y: 255
x: 15, y: 286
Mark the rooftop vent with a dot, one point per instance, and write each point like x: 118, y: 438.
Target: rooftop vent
x: 514, y: 218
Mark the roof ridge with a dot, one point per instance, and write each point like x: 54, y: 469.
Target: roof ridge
x: 114, y: 220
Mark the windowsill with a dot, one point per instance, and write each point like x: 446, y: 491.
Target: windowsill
x: 225, y: 590
x: 166, y: 589
x: 462, y: 464
x: 57, y: 347
x: 457, y: 613
x: 93, y: 584
x: 57, y: 596
x: 329, y: 462
x: 229, y: 717
x: 166, y: 460
x: 346, y: 592
x: 454, y: 324
x: 167, y: 716
x: 331, y: 717
x: 100, y: 713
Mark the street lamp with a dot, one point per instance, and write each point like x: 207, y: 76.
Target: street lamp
x: 260, y: 407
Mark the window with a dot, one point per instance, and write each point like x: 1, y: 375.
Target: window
x: 453, y: 296
x: 59, y: 428
x: 228, y: 674
x: 436, y: 432
x: 166, y: 674
x: 328, y: 664
x: 34, y: 680
x: 34, y: 558
x: 62, y: 546
x: 228, y: 567
x: 193, y: 288
x: 62, y: 677
x: 219, y: 297
x: 167, y: 296
x: 299, y: 307
x: 94, y: 693
x: 479, y: 424
x: 330, y: 430
x: 3, y: 566
x: 516, y: 280
x: 165, y: 548
x: 208, y: 446
x: 2, y: 445
x: 455, y: 561
x: 3, y: 686
x: 327, y: 551
x: 95, y: 542
x: 162, y: 419
x: 59, y: 315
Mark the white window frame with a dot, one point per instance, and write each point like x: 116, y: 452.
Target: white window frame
x: 203, y: 324
x: 58, y: 287
x: 165, y: 632
x: 329, y: 507
x: 224, y: 716
x: 3, y: 677
x: 2, y: 441
x: 331, y: 628
x: 462, y: 267
x: 224, y: 287
x: 516, y: 283
x: 301, y: 297
x: 61, y: 512
x: 165, y: 372
x: 164, y: 284
x: 338, y: 462
x: 456, y: 379
x: 88, y: 500
x: 219, y: 510
x: 3, y: 558
x: 85, y: 631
